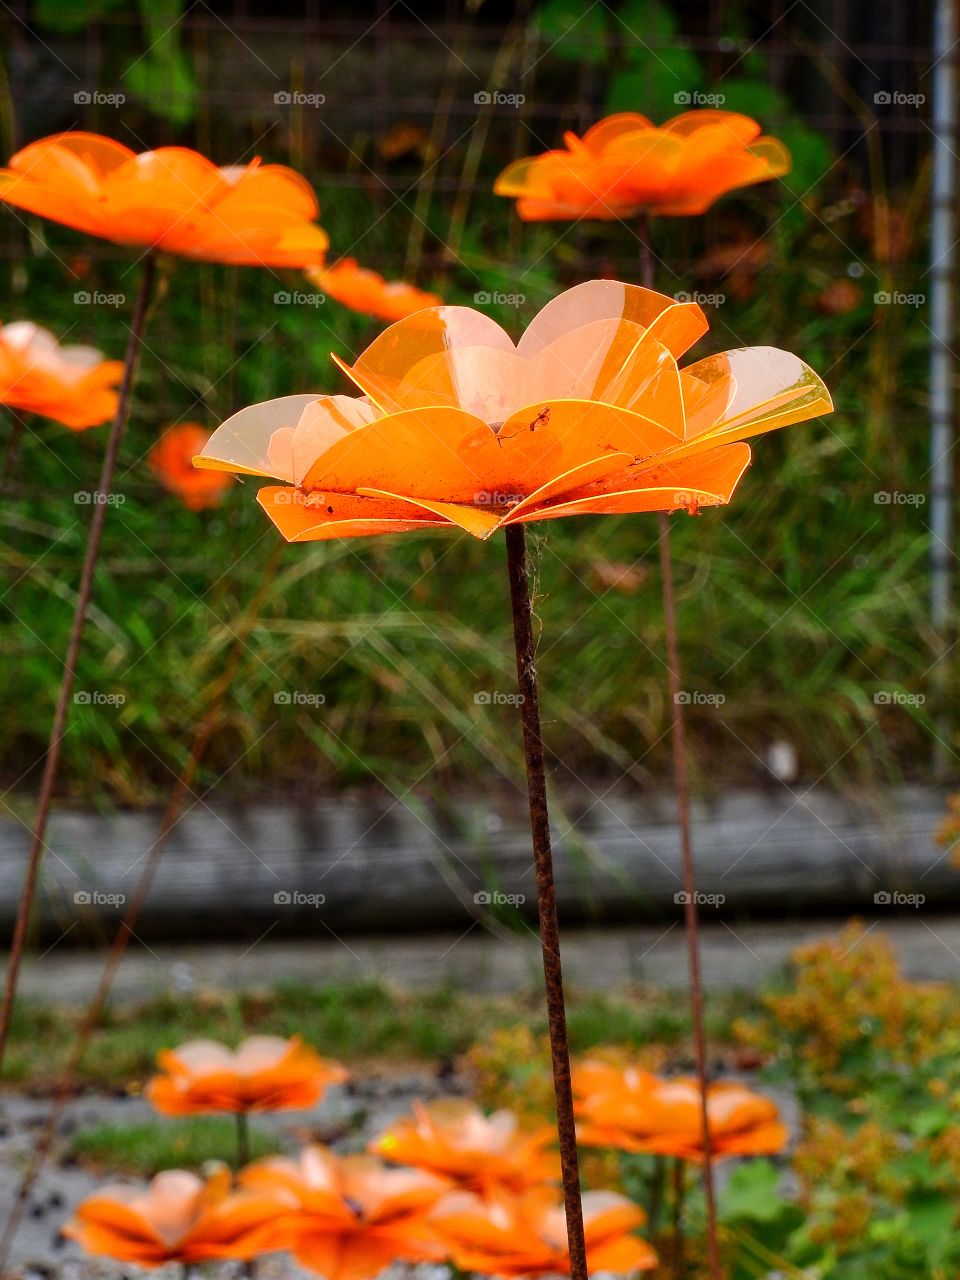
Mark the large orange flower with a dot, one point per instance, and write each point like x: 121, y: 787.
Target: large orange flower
x: 640, y: 1112
x: 352, y: 1215
x: 453, y: 1138
x: 178, y: 1218
x: 73, y: 385
x: 588, y: 414
x: 265, y: 1073
x: 527, y: 1235
x: 172, y: 199
x: 363, y: 290
x: 624, y: 165
x: 171, y: 460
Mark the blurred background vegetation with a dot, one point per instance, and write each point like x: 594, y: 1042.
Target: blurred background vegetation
x: 798, y: 604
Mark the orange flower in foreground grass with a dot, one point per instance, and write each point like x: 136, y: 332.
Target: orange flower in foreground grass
x: 73, y: 385
x: 588, y: 414
x: 639, y: 1112
x: 178, y: 1218
x: 527, y: 1235
x: 453, y: 1138
x: 265, y: 1073
x: 351, y: 1216
x: 173, y: 200
x: 624, y: 165
x: 171, y: 460
x: 366, y: 291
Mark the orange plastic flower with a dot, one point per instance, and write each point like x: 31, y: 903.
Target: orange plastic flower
x: 265, y: 1073
x: 640, y: 1112
x: 172, y: 199
x: 453, y: 1138
x: 178, y: 1218
x: 624, y: 165
x: 527, y: 1235
x: 352, y: 1215
x: 171, y: 460
x: 72, y: 385
x: 365, y: 291
x: 588, y: 414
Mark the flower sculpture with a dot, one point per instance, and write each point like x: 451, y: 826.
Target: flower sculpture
x: 264, y: 1073
x: 363, y: 290
x: 526, y: 1235
x: 457, y: 427
x: 171, y: 460
x: 173, y: 200
x: 350, y: 1216
x: 454, y: 1139
x: 624, y: 165
x: 73, y: 385
x: 639, y: 1112
x: 179, y: 1218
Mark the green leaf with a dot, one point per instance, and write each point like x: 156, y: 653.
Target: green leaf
x: 752, y: 1193
x: 573, y: 31
x: 71, y: 15
x: 166, y: 85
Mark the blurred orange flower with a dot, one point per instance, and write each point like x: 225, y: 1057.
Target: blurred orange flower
x: 365, y: 291
x: 73, y: 385
x: 265, y: 1073
x: 588, y: 414
x: 352, y: 1215
x: 527, y: 1235
x: 171, y: 460
x: 453, y: 1138
x: 173, y: 200
x: 624, y: 165
x: 178, y: 1218
x: 639, y: 1112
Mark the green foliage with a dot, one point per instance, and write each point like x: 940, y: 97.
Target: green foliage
x: 142, y: 1150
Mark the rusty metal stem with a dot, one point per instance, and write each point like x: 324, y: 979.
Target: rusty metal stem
x: 546, y: 894
x: 51, y: 765
x: 691, y: 908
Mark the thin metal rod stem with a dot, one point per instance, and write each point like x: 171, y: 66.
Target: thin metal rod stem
x: 546, y: 894
x: 51, y: 764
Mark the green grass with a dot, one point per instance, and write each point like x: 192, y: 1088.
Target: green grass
x: 361, y: 1023
x: 148, y: 1148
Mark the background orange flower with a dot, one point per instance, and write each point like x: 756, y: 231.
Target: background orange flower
x: 73, y: 385
x: 453, y: 1138
x: 366, y: 291
x: 353, y: 1215
x: 171, y: 460
x: 172, y: 199
x: 625, y: 165
x: 178, y: 1218
x: 527, y: 1235
x: 264, y: 1073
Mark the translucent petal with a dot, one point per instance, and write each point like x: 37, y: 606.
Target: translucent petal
x: 242, y: 443
x: 605, y: 131
x: 324, y: 422
x: 336, y: 515
x: 739, y: 129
